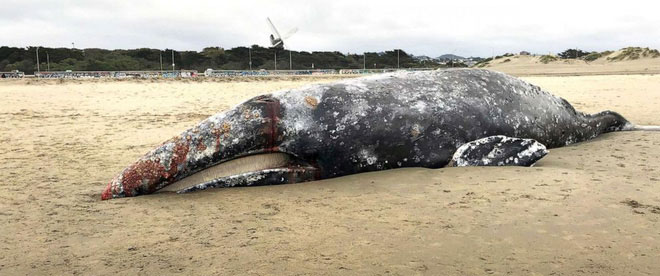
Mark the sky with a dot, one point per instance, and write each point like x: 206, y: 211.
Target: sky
x: 431, y: 28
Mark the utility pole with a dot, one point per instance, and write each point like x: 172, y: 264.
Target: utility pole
x: 38, y: 59
x: 250, y: 57
x: 172, y: 59
x: 275, y: 59
x: 290, y: 63
x: 48, y: 61
x: 73, y: 45
x: 364, y: 62
x: 397, y: 58
x: 161, y: 60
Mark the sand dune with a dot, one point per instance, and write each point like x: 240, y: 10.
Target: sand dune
x: 590, y: 208
x: 612, y: 63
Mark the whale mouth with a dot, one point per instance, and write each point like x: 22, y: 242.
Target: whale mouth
x: 250, y: 169
x: 246, y: 164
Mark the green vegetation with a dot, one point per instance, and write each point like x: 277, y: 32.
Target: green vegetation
x: 61, y: 59
x: 572, y: 53
x: 547, y: 59
x: 455, y: 64
x: 592, y: 56
x: 506, y: 60
x: 484, y: 62
x: 632, y: 53
x: 596, y: 55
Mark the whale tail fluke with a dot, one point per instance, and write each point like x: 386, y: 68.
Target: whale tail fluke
x: 645, y: 128
x: 634, y: 127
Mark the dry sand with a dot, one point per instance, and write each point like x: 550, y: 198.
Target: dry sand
x: 590, y: 208
x: 532, y: 66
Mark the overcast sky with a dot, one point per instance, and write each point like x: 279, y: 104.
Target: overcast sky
x: 462, y: 27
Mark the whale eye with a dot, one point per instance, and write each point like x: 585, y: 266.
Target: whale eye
x: 265, y: 99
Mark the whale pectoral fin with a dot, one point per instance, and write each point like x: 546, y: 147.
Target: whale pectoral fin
x: 499, y: 151
x: 274, y: 176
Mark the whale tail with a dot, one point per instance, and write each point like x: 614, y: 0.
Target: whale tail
x: 644, y: 128
x: 609, y: 121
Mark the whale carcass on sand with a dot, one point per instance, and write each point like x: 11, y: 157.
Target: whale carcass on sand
x: 431, y: 119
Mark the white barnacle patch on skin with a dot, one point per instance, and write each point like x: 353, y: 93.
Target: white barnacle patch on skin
x: 297, y: 117
x: 420, y: 106
x: 367, y: 156
x: 254, y: 177
x: 534, y: 147
x: 416, y: 130
x: 163, y: 154
x: 242, y: 179
x: 359, y: 108
x: 570, y: 140
x: 230, y: 126
x: 457, y: 157
x: 355, y: 86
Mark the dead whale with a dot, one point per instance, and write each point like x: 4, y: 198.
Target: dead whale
x: 431, y: 119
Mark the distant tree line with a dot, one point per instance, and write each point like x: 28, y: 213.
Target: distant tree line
x: 573, y: 53
x: 93, y: 59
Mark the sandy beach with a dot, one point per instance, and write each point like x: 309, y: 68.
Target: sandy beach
x: 589, y: 208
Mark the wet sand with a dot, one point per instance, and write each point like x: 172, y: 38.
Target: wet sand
x: 589, y: 208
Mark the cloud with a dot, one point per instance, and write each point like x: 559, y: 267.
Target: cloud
x: 478, y: 28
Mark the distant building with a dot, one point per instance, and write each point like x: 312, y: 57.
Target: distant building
x: 422, y: 58
x: 12, y: 74
x: 525, y: 53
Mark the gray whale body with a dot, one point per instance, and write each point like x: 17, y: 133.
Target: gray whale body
x: 380, y: 122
